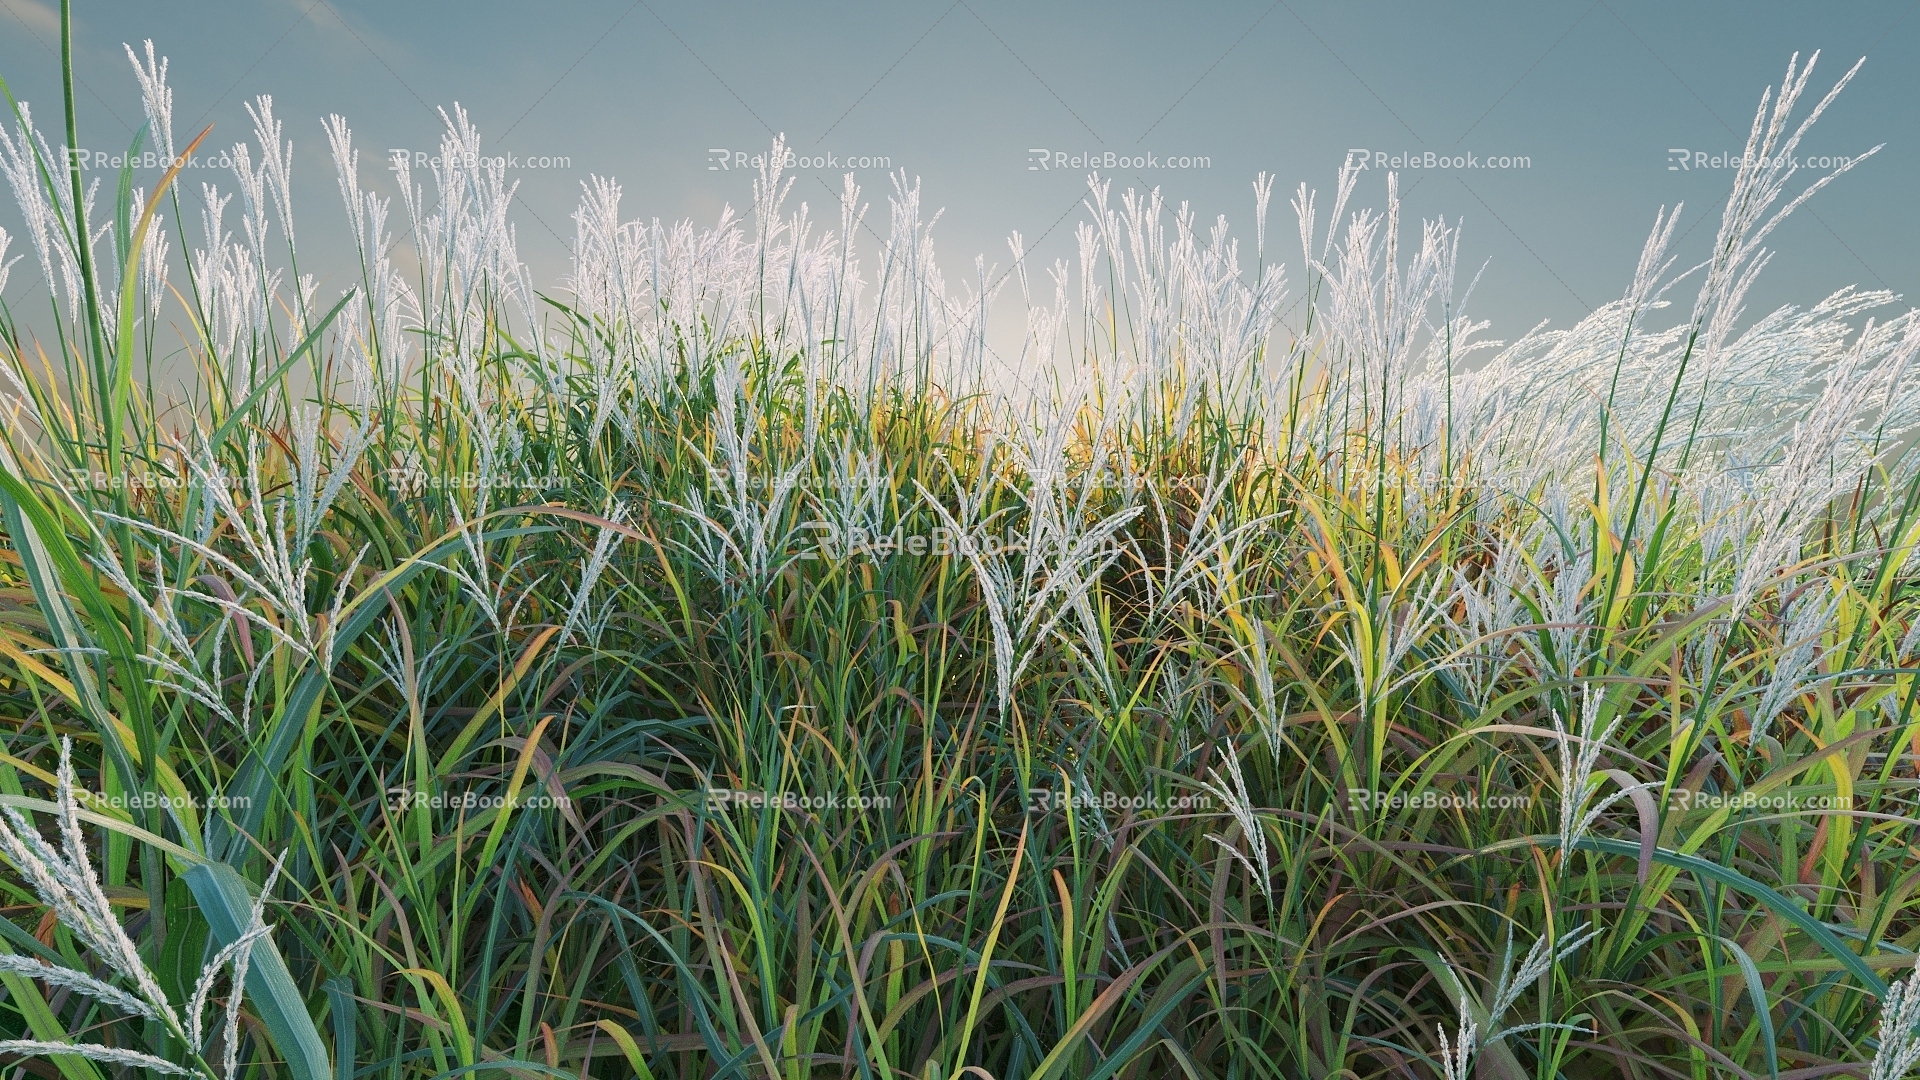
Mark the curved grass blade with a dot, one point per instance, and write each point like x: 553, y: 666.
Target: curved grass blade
x: 1777, y: 903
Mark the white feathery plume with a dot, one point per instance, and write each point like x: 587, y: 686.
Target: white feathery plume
x: 64, y: 880
x: 78, y: 982
x: 1576, y: 773
x: 256, y: 929
x: 1455, y: 1055
x: 1240, y: 805
x: 267, y: 568
x: 1214, y: 545
x: 387, y: 292
x: 108, y: 1055
x: 1542, y: 957
x: 476, y: 572
x: 155, y: 95
x: 1815, y: 468
x: 1899, y: 1034
x: 315, y: 486
x: 1810, y: 617
x: 172, y: 637
x: 153, y: 261
x: 1910, y: 641
x: 744, y: 538
x: 603, y: 546
x: 856, y: 495
x: 276, y: 161
x: 6, y: 264
x: 1066, y: 550
x: 23, y: 151
x: 1374, y: 652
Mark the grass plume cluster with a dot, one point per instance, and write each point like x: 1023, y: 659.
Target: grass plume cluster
x: 1260, y: 674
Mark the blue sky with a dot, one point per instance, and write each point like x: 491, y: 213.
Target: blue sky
x: 1595, y: 95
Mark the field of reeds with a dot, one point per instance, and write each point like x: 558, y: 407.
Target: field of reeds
x: 729, y: 663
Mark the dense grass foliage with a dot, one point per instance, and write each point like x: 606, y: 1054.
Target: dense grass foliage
x: 1258, y: 675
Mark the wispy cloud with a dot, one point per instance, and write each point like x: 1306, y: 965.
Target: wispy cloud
x: 34, y: 15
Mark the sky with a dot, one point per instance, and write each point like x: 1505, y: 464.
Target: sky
x: 1578, y: 121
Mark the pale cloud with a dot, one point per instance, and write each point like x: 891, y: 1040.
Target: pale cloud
x: 34, y: 14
